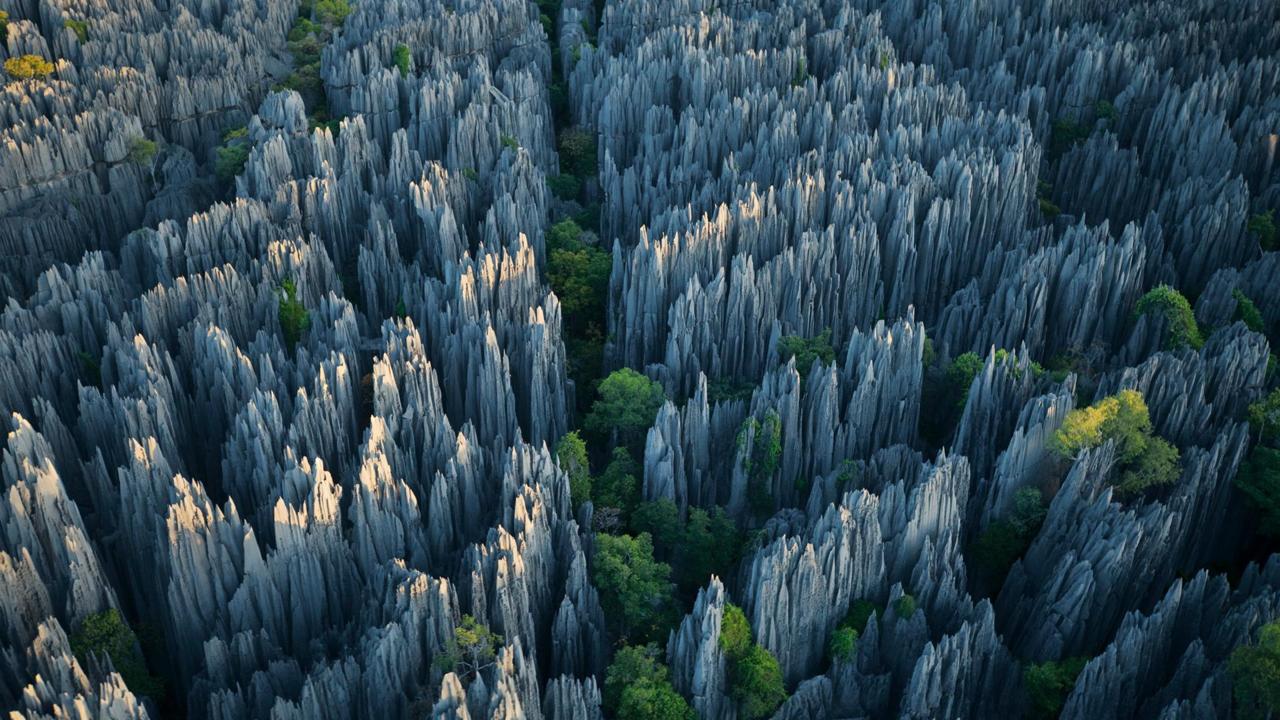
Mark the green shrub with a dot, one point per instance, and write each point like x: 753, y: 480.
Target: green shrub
x: 472, y: 648
x: 509, y: 141
x: 141, y: 151
x: 998, y: 546
x: 1255, y: 676
x: 106, y: 633
x: 844, y: 639
x: 762, y: 461
x: 801, y: 73
x: 580, y: 279
x: 1049, y: 683
x: 28, y: 67
x: 294, y: 318
x: 617, y: 486
x: 709, y: 546
x: 1263, y: 227
x: 565, y: 187
x: 1259, y: 481
x: 1264, y: 418
x: 1247, y: 312
x: 564, y: 235
x: 400, y: 57
x: 571, y: 452
x: 1181, y: 321
x: 4, y: 24
x: 1048, y: 209
x: 578, y: 152
x: 905, y: 606
x: 231, y: 160
x: 661, y: 520
x: 807, y: 350
x: 960, y: 375
x: 79, y: 27
x: 331, y: 12
x: 1064, y: 134
x: 724, y: 389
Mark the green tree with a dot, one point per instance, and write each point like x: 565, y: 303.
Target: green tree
x: 807, y: 350
x: 661, y: 520
x: 617, y: 486
x: 331, y: 12
x: 571, y: 451
x: 564, y: 235
x: 709, y: 547
x: 28, y: 67
x: 1255, y: 676
x: 627, y: 404
x: 1181, y: 321
x: 634, y: 588
x: 755, y: 678
x: 1004, y: 541
x: 4, y: 23
x: 960, y: 374
x: 401, y: 57
x: 578, y: 152
x: 230, y: 160
x: 1264, y: 418
x: 1259, y: 481
x: 580, y: 279
x: 844, y: 639
x: 756, y: 684
x: 1263, y: 227
x: 472, y: 648
x: 762, y: 462
x: 565, y: 187
x: 1247, y: 312
x: 294, y: 318
x: 1049, y: 683
x: 106, y: 633
x: 631, y: 664
x: 141, y: 151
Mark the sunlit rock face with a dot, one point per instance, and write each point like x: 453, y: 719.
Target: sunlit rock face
x: 304, y: 299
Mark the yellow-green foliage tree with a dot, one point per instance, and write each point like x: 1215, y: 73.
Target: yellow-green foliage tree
x: 28, y: 67
x: 1145, y: 459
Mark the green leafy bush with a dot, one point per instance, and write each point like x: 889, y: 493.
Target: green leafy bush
x: 617, y: 487
x: 1049, y: 683
x: 661, y: 520
x: 1264, y: 418
x: 1259, y: 481
x: 509, y: 141
x: 1182, y: 328
x: 1255, y: 676
x: 905, y: 606
x: 4, y: 24
x: 1064, y: 134
x: 565, y: 187
x: 106, y: 633
x: 1247, y: 312
x: 28, y: 67
x: 79, y: 27
x: 331, y: 12
x: 571, y: 451
x: 998, y: 546
x: 401, y: 57
x: 807, y: 350
x: 231, y: 160
x: 762, y: 462
x: 844, y: 639
x: 141, y: 151
x: 578, y: 152
x: 472, y: 648
x: 294, y: 318
x: 1263, y: 227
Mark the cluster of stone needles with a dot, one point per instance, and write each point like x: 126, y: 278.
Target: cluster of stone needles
x: 639, y: 359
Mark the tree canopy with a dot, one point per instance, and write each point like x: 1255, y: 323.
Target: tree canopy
x: 635, y: 590
x: 627, y: 404
x: 636, y: 687
x: 1049, y: 683
x: 571, y: 452
x: 472, y: 648
x: 807, y: 350
x: 1255, y: 675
